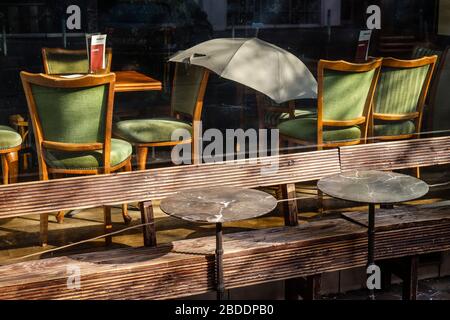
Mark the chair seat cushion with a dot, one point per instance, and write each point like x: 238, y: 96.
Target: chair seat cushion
x: 273, y: 118
x: 149, y: 130
x: 9, y: 138
x: 394, y: 128
x: 88, y: 160
x: 305, y: 129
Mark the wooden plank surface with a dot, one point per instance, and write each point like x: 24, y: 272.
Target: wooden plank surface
x: 182, y: 268
x: 92, y: 191
x: 186, y: 267
x: 128, y: 81
x: 396, y: 155
x: 403, y: 217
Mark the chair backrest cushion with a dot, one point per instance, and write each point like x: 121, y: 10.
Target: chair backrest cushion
x: 186, y: 88
x: 72, y: 115
x: 399, y: 89
x: 345, y: 94
x: 67, y: 63
x: 71, y: 61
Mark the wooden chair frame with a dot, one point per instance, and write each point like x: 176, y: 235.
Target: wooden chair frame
x: 416, y: 116
x: 81, y: 52
x: 363, y: 121
x: 10, y: 164
x: 21, y: 125
x: 44, y: 170
x: 142, y: 148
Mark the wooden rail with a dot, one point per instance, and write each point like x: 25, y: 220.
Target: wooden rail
x: 92, y: 191
x: 186, y: 267
x: 396, y: 155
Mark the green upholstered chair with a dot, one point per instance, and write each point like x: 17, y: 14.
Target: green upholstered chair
x: 72, y: 120
x: 63, y: 61
x: 189, y: 87
x: 400, y: 96
x: 345, y: 93
x: 10, y: 144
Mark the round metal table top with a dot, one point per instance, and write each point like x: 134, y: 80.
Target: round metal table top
x: 218, y: 205
x: 373, y: 187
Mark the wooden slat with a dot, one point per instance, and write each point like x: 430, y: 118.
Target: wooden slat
x: 403, y: 217
x: 396, y: 155
x: 92, y: 191
x: 186, y: 267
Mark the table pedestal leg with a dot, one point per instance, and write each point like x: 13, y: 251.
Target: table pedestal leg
x: 371, y: 244
x: 219, y: 263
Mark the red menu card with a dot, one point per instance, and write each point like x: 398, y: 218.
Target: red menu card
x: 97, y: 58
x: 362, y: 51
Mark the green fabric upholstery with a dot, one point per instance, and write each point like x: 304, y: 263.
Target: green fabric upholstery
x: 76, y: 115
x: 186, y: 87
x: 344, y: 98
x: 120, y: 151
x: 398, y: 92
x: 345, y: 94
x: 399, y: 89
x: 72, y: 115
x: 9, y: 138
x: 63, y: 63
x: 394, y: 128
x: 70, y: 63
x: 305, y: 129
x: 148, y: 130
x: 185, y: 93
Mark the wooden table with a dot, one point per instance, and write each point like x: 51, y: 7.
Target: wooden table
x: 218, y: 205
x: 373, y: 187
x: 129, y: 81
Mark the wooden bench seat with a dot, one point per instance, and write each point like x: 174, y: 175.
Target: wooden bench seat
x: 186, y: 267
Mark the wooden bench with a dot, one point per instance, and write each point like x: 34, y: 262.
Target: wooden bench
x: 187, y: 267
x: 184, y: 268
x: 145, y: 186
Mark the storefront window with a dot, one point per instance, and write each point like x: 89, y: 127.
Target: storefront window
x: 280, y: 12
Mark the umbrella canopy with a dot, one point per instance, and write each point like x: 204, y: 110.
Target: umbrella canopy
x: 256, y: 64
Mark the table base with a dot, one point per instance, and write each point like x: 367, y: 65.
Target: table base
x: 371, y: 245
x: 220, y: 285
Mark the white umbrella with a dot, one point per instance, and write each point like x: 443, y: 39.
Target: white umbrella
x: 256, y: 64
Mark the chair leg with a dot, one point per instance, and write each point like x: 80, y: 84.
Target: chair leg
x: 60, y: 214
x: 44, y: 229
x: 60, y: 217
x: 417, y: 172
x: 126, y: 217
x: 141, y: 154
x: 5, y: 169
x: 13, y: 162
x: 108, y: 224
